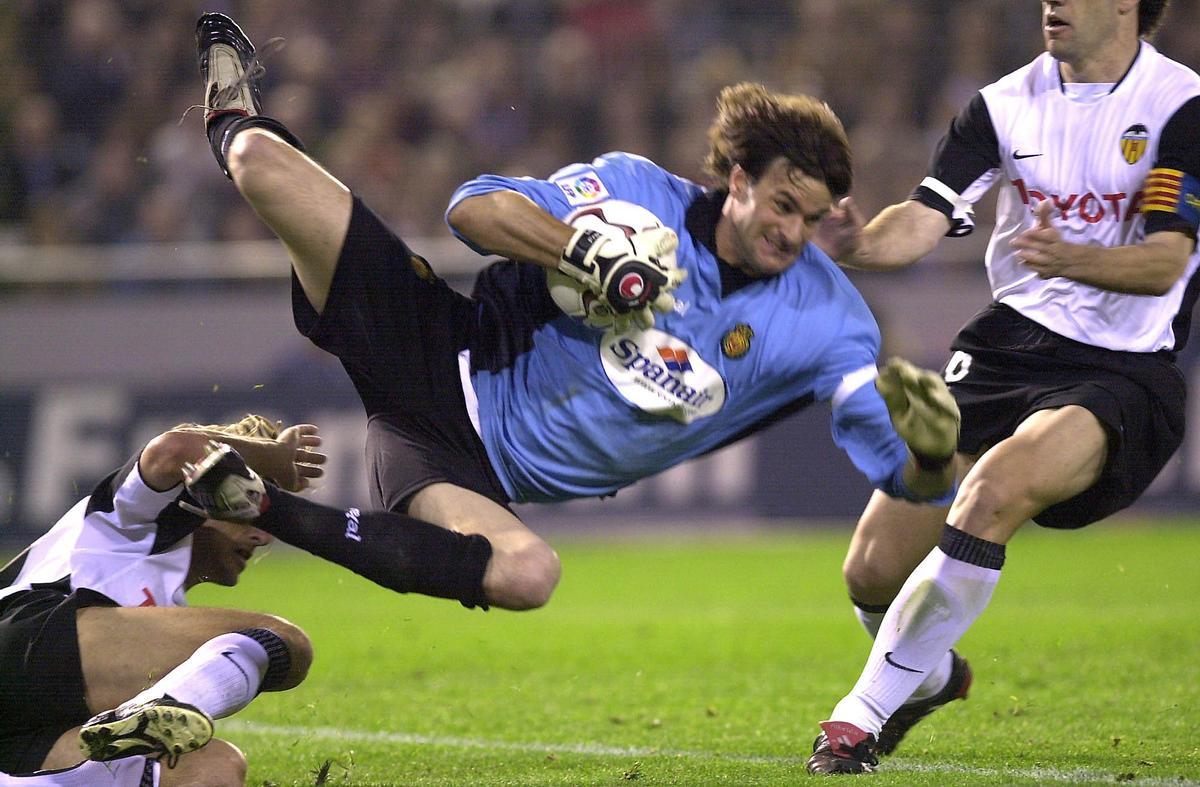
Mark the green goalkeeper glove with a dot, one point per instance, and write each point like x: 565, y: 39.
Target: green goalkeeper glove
x: 922, y: 409
x: 633, y: 276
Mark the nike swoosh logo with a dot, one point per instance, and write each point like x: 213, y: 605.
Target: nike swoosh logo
x: 229, y: 655
x: 888, y: 658
x: 1017, y: 155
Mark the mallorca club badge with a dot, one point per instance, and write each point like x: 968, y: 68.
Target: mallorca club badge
x: 736, y: 342
x: 422, y: 269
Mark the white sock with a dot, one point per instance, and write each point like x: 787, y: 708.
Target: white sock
x: 938, y: 603
x: 126, y: 772
x: 220, y: 678
x: 870, y: 619
x: 939, y: 676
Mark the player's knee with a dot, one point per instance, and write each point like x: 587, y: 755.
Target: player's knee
x: 300, y: 652
x: 255, y: 157
x: 219, y: 764
x: 532, y: 572
x: 985, y: 499
x: 868, y: 581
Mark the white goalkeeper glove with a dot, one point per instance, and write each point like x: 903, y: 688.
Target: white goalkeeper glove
x: 922, y: 409
x: 632, y: 276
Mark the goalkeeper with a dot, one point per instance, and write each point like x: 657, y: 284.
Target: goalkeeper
x: 477, y: 402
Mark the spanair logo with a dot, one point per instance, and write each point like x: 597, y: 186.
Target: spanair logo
x: 661, y: 375
x: 1134, y: 143
x: 581, y: 189
x: 675, y: 359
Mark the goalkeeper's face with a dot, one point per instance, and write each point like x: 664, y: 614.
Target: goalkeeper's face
x: 767, y: 220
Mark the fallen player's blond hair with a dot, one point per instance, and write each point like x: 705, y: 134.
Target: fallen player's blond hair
x: 252, y: 425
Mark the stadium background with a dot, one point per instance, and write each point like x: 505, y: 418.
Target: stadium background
x: 137, y: 290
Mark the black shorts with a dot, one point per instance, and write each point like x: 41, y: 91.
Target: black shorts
x: 1017, y: 367
x: 398, y: 330
x: 42, y: 693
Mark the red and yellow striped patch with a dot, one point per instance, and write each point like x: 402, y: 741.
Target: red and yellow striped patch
x: 1164, y: 190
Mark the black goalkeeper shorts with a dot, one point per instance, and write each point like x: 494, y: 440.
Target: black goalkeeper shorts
x: 398, y: 330
x: 1005, y: 367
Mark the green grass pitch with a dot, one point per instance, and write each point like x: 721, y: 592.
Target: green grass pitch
x: 700, y: 661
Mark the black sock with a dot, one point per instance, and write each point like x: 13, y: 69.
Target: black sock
x: 393, y: 550
x: 963, y: 546
x: 224, y: 126
x: 874, y: 609
x: 279, y: 658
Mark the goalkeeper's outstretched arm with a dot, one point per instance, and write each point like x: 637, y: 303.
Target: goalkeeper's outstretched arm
x: 509, y: 224
x: 633, y: 275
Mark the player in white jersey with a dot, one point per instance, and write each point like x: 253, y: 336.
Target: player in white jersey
x: 94, y: 623
x: 1071, y: 401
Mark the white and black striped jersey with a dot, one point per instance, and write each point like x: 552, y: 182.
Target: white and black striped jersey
x: 1118, y: 161
x: 125, y: 540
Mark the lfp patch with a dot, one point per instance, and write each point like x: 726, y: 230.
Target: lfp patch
x: 582, y: 189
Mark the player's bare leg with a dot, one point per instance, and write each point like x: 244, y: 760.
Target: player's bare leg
x: 302, y: 203
x: 157, y: 677
x: 454, y: 543
x: 305, y: 206
x: 524, y: 569
x: 1051, y: 457
x: 124, y: 650
x: 891, y: 538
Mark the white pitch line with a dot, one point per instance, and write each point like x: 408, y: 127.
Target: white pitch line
x: 597, y: 749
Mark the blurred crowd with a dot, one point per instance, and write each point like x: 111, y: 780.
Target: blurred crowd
x: 405, y: 99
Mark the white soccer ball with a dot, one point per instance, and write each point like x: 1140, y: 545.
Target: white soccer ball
x: 611, y: 217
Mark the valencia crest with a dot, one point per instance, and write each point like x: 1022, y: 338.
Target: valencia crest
x: 1134, y: 142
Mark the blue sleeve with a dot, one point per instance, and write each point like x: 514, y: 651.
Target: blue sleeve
x: 863, y: 429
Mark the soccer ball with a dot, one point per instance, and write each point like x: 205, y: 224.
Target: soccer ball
x: 610, y: 217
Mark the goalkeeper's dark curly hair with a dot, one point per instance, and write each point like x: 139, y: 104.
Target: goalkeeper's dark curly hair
x: 250, y: 426
x: 1150, y: 14
x: 755, y: 126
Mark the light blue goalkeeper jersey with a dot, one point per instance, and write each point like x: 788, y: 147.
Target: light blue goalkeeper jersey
x: 568, y: 410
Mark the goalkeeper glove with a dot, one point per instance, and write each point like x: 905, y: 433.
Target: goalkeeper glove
x: 923, y: 411
x: 632, y: 276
